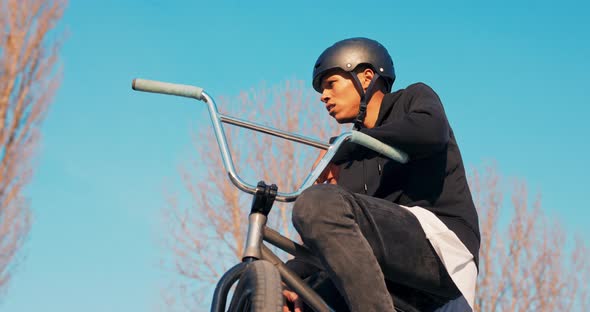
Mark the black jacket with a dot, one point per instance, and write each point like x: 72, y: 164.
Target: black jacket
x: 413, y: 120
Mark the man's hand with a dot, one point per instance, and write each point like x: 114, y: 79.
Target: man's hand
x: 330, y: 174
x: 294, y: 299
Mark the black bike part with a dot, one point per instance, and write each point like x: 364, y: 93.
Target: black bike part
x: 264, y: 198
x: 224, y: 285
x: 309, y: 296
x: 259, y: 289
x: 289, y: 246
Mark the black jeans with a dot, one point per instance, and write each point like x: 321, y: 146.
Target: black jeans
x: 369, y: 248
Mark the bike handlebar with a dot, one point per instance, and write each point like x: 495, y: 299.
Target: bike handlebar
x: 216, y: 119
x: 378, y: 146
x: 153, y: 86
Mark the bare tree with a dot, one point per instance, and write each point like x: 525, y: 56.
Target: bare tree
x: 526, y: 261
x: 28, y: 80
x: 207, y: 229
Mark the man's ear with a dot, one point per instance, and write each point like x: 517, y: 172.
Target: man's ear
x: 366, y: 76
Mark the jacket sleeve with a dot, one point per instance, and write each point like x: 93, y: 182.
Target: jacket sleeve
x: 423, y: 129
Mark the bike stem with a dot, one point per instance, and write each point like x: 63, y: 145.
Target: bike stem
x: 264, y: 198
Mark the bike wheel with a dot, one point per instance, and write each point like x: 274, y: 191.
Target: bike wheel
x: 259, y: 289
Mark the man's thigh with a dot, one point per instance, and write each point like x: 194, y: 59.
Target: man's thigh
x: 400, y: 245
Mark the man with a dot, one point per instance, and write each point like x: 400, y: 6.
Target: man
x: 385, y: 231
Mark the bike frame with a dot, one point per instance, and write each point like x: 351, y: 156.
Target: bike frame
x: 265, y: 195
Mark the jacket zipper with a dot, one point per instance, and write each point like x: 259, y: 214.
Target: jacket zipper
x: 364, y: 176
x: 379, y: 169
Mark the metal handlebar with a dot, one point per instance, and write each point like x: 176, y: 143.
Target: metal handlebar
x: 217, y: 118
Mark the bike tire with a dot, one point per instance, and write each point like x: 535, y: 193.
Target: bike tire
x: 258, y: 290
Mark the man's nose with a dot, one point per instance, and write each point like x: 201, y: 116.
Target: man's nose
x: 324, y: 97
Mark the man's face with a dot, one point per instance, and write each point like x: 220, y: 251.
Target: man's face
x: 341, y: 96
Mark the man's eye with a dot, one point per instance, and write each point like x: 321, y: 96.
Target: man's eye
x: 329, y: 84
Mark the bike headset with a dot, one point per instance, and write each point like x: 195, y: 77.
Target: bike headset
x: 347, y: 55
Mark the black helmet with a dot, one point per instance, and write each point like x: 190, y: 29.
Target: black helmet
x: 348, y: 54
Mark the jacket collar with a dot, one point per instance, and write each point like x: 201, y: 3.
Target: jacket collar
x: 387, y: 104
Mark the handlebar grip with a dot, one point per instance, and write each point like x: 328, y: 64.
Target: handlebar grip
x: 378, y: 146
x: 167, y: 88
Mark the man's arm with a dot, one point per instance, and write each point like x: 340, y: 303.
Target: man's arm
x: 422, y: 131
x: 330, y: 174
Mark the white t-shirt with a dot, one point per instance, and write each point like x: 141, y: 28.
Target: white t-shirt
x: 454, y: 255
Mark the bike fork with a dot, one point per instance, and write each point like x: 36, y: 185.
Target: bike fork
x: 261, y: 206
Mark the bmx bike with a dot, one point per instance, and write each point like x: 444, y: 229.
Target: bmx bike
x: 261, y: 272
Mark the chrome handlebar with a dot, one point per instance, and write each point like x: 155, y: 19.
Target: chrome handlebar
x: 217, y: 118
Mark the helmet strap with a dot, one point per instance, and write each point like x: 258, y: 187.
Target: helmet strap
x: 365, y: 98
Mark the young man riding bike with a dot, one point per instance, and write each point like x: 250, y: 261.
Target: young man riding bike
x: 387, y: 234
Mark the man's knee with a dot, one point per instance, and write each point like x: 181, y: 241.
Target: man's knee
x: 317, y: 204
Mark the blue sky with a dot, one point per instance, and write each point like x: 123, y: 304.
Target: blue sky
x: 512, y: 76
